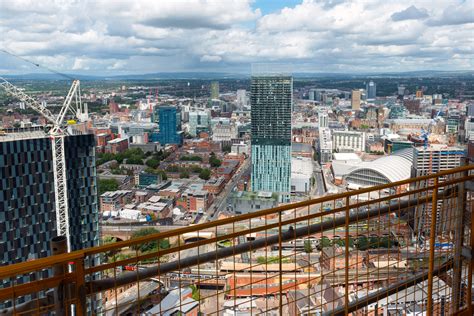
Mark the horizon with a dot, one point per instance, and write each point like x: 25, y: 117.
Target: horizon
x: 110, y: 38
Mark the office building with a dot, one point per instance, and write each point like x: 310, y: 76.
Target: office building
x: 242, y: 99
x: 198, y: 122
x: 348, y: 141
x: 325, y: 145
x: 27, y: 198
x: 427, y: 161
x: 355, y: 99
x: 271, y: 102
x: 215, y: 90
x: 323, y: 119
x: 169, y: 121
x: 371, y: 89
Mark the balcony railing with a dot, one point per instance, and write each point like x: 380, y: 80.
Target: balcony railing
x: 403, y: 248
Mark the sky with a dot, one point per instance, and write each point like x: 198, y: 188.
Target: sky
x: 117, y: 37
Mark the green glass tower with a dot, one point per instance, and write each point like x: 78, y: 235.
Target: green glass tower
x: 271, y: 105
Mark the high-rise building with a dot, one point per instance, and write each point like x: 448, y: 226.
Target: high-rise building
x: 271, y: 102
x: 241, y: 98
x: 427, y: 161
x: 27, y: 199
x: 371, y: 89
x: 215, y: 90
x: 355, y: 99
x: 198, y: 122
x: 323, y: 119
x: 169, y: 120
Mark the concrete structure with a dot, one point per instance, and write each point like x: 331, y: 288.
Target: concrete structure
x: 224, y: 133
x: 301, y: 174
x: 117, y: 145
x: 348, y: 141
x: 271, y: 102
x: 243, y: 202
x: 355, y: 99
x: 215, y: 90
x: 242, y: 99
x: 325, y: 145
x: 323, y: 119
x: 113, y: 201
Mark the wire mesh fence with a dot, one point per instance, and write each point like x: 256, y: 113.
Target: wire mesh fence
x: 398, y: 249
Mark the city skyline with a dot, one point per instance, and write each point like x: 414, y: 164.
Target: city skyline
x: 147, y: 36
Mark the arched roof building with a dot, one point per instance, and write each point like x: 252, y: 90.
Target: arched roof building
x: 384, y: 170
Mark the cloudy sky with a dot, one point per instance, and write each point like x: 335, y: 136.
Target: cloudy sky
x: 145, y: 36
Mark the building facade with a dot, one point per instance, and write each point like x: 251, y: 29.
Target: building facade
x: 427, y: 161
x: 169, y: 120
x: 355, y: 99
x: 27, y: 199
x: 271, y: 102
x: 198, y: 122
x: 371, y: 89
x: 348, y: 141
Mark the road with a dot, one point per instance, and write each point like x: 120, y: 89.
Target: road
x: 220, y: 202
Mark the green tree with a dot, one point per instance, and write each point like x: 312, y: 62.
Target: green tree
x: 105, y: 185
x: 195, y: 292
x: 362, y: 243
x: 153, y: 163
x: 205, y: 174
x: 184, y: 174
x: 324, y: 242
x: 308, y: 247
x: 214, y: 161
x: 195, y: 169
x: 135, y: 160
x: 151, y: 245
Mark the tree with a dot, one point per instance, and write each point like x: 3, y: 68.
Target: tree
x: 195, y: 169
x: 105, y: 185
x: 214, y: 161
x: 184, y: 174
x: 308, y: 247
x: 153, y: 163
x: 324, y: 242
x: 362, y: 243
x: 205, y: 174
x: 151, y: 245
x: 135, y: 160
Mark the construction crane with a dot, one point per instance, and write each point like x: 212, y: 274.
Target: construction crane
x: 57, y: 133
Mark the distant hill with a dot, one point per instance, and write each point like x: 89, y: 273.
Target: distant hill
x: 222, y: 75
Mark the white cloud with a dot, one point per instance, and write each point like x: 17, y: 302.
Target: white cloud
x: 211, y: 58
x: 168, y: 35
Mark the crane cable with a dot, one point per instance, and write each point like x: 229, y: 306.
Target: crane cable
x: 36, y: 64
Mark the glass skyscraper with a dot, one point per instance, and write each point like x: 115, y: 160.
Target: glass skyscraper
x: 271, y: 102
x: 27, y: 199
x: 169, y: 120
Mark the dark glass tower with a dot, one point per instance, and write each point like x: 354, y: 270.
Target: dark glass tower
x: 27, y: 200
x: 271, y: 102
x: 169, y: 120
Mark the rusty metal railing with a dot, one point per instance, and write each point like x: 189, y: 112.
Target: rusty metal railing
x: 401, y: 247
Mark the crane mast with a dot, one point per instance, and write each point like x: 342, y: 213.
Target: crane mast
x: 57, y: 136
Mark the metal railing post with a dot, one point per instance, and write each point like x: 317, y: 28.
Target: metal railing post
x: 434, y: 210
x: 59, y: 246
x: 458, y: 242
x: 346, y: 274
